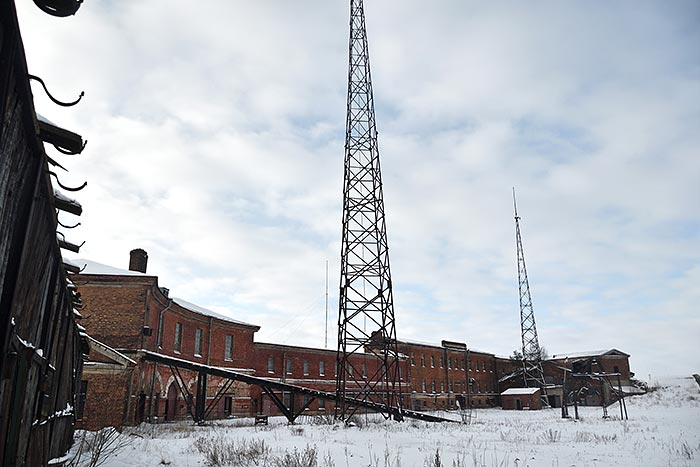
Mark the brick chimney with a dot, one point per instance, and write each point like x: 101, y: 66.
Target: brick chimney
x: 138, y: 260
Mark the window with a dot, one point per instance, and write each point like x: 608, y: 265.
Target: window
x: 422, y: 360
x: 432, y: 387
x: 289, y: 366
x: 350, y: 370
x: 441, y: 363
x: 198, y: 342
x: 80, y: 401
x: 336, y: 368
x: 322, y: 404
x: 442, y: 386
x: 364, y: 370
x: 452, y: 387
x: 432, y: 362
x: 469, y: 365
x: 400, y: 373
x: 616, y: 369
x: 413, y: 359
x: 228, y: 348
x: 461, y: 364
x: 423, y: 386
x: 322, y: 368
x: 483, y: 366
x: 449, y: 363
x: 178, y: 337
x: 270, y: 364
x: 306, y: 368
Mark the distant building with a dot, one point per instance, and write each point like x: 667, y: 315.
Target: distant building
x: 521, y: 399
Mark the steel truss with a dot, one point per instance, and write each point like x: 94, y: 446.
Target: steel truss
x: 533, y: 375
x: 199, y: 410
x: 366, y: 310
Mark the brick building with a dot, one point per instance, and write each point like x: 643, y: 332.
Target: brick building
x: 126, y: 312
x: 440, y: 375
x: 311, y: 368
x: 521, y: 398
x: 599, y: 389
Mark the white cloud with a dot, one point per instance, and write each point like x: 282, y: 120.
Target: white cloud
x: 215, y: 143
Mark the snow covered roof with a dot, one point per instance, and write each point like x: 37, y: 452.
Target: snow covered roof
x: 107, y: 351
x: 519, y: 391
x: 204, y: 311
x: 93, y: 267
x: 437, y: 346
x: 590, y: 353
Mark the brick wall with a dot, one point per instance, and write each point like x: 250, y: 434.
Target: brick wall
x: 115, y: 306
x: 438, y: 377
x: 106, y: 397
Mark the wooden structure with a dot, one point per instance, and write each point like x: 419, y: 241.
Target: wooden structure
x: 521, y: 399
x: 41, y: 345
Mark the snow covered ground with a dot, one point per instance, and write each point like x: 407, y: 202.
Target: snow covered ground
x: 663, y: 430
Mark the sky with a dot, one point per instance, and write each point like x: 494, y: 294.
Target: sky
x: 215, y: 142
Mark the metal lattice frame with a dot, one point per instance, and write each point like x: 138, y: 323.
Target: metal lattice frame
x: 366, y: 310
x: 532, y: 353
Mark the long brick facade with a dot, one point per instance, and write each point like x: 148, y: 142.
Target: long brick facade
x: 128, y: 312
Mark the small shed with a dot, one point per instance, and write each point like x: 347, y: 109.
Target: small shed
x: 521, y: 399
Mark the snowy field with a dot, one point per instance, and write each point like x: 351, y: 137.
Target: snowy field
x: 663, y: 430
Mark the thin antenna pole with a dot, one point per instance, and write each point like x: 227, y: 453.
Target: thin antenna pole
x: 326, y: 342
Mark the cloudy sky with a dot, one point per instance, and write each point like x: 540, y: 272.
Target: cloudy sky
x: 216, y: 133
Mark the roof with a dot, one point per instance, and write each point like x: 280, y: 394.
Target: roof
x: 437, y: 346
x: 89, y: 267
x: 98, y: 269
x: 205, y: 311
x: 109, y: 352
x: 519, y: 391
x: 590, y: 353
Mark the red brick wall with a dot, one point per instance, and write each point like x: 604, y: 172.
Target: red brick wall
x: 449, y: 373
x: 529, y: 401
x: 106, y: 397
x: 114, y: 309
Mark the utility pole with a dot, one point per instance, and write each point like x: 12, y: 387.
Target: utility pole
x: 366, y: 309
x: 326, y: 339
x: 533, y: 374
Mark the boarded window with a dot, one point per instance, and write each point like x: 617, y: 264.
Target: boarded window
x: 228, y: 348
x: 178, y: 337
x: 198, y: 342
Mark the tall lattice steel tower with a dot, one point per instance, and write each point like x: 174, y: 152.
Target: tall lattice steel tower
x: 366, y: 309
x: 532, y: 353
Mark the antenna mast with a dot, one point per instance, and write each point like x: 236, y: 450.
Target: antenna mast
x: 365, y: 279
x: 326, y: 340
x: 532, y: 353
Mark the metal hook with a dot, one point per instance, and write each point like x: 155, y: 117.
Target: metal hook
x: 56, y: 101
x: 70, y: 153
x: 68, y: 226
x: 66, y: 187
